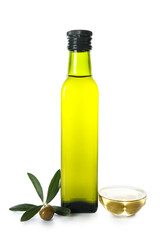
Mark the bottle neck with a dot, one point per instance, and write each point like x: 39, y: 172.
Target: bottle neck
x: 79, y: 64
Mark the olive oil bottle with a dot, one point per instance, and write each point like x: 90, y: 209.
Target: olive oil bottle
x: 79, y: 128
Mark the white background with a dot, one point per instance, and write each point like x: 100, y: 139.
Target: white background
x: 126, y: 67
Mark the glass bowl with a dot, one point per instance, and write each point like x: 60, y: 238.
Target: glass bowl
x: 121, y: 200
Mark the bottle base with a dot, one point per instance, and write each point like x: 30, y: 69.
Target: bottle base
x: 80, y: 206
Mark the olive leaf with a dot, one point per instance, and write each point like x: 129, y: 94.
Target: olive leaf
x: 53, y: 186
x: 30, y: 213
x: 30, y: 209
x: 22, y: 207
x: 37, y: 185
x: 62, y: 210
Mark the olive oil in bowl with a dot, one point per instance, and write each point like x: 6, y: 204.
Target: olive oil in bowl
x: 125, y: 201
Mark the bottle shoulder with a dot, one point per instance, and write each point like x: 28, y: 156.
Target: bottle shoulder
x: 79, y: 82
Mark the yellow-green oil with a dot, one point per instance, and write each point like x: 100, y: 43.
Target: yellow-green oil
x: 121, y: 200
x: 126, y: 208
x: 79, y: 136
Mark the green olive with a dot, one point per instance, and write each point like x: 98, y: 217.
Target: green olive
x: 47, y: 212
x: 133, y: 207
x: 115, y: 207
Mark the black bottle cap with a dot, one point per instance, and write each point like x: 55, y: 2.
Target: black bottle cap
x: 79, y: 40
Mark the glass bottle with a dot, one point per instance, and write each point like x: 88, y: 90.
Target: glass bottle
x: 79, y: 128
